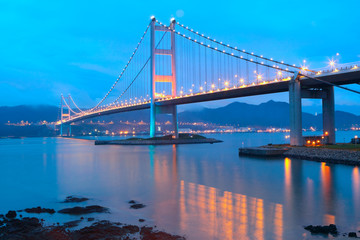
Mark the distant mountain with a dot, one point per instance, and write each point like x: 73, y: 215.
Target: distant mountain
x: 28, y: 113
x: 269, y: 114
x: 243, y: 114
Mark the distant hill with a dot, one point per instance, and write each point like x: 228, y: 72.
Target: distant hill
x: 28, y: 113
x: 269, y: 114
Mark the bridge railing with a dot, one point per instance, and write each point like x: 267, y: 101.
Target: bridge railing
x: 335, y: 67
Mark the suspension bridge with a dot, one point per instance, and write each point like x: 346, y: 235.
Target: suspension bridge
x: 174, y: 64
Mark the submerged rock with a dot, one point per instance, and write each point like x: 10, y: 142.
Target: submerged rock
x: 40, y: 210
x: 137, y: 206
x: 141, y: 220
x: 73, y: 199
x: 84, y: 210
x: 332, y: 229
x: 72, y: 224
x: 132, y: 201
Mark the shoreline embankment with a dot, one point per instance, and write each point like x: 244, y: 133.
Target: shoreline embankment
x: 348, y: 157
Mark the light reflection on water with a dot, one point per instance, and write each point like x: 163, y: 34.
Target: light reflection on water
x: 201, y: 191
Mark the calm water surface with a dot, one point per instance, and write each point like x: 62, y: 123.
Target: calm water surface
x: 201, y: 191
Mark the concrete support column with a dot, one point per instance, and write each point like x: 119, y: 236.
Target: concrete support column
x: 152, y: 80
x: 61, y: 116
x: 175, y: 122
x: 328, y: 105
x: 295, y: 112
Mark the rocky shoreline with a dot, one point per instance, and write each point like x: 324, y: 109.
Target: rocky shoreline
x: 14, y: 226
x: 32, y: 228
x: 347, y: 157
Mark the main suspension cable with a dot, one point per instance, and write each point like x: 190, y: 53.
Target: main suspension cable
x: 242, y: 51
x: 117, y: 99
x: 123, y: 71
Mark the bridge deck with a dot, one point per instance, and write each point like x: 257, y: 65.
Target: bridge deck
x: 339, y: 78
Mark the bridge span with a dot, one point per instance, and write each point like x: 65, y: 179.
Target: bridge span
x: 182, y: 69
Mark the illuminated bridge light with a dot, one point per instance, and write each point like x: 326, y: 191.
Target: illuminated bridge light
x: 332, y: 63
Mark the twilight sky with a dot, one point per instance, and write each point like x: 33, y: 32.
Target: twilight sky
x: 79, y: 47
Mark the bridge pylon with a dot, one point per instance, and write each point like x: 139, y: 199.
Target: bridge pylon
x: 65, y: 114
x: 298, y: 92
x: 158, y: 78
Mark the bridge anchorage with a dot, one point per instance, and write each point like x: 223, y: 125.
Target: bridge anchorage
x: 174, y: 64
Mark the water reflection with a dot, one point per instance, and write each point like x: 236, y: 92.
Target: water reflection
x: 202, y: 191
x: 356, y: 187
x: 228, y: 215
x: 328, y: 192
x: 221, y: 214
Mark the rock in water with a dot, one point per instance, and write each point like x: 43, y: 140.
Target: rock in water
x: 11, y: 214
x: 84, y: 210
x: 39, y: 210
x: 73, y: 199
x: 137, y: 206
x: 322, y: 229
x: 352, y: 234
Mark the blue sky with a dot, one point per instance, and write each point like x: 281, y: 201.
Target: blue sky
x: 79, y: 47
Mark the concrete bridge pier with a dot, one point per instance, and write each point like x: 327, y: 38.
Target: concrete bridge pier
x: 295, y: 112
x: 170, y: 109
x: 328, y: 105
x: 175, y: 122
x: 67, y: 129
x: 296, y: 93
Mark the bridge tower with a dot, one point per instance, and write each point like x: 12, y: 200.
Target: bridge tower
x: 156, y: 78
x: 296, y: 93
x: 65, y: 114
